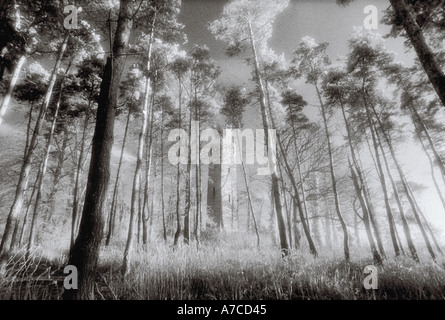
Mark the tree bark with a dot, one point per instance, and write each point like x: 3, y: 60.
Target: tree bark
x: 427, y: 58
x: 85, y: 252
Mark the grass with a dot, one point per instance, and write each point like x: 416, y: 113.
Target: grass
x: 230, y: 269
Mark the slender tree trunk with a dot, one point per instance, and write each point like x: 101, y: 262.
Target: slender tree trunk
x: 249, y: 198
x: 57, y: 174
x: 297, y: 200
x: 405, y: 185
x: 140, y: 154
x: 300, y: 176
x: 111, y: 221
x: 26, y: 165
x: 376, y: 256
x: 178, y: 171
x: 15, y: 76
x: 425, y: 221
x: 275, y: 187
x: 188, y: 185
x: 382, y: 179
x: 297, y: 235
x: 405, y: 224
x: 197, y: 182
x: 85, y: 252
x: 148, y: 164
x: 28, y: 208
x: 356, y: 230
x: 427, y: 58
x: 164, y: 227
x: 333, y: 178
x: 77, y: 183
x: 431, y: 143
x: 288, y: 214
x: 303, y: 214
x: 392, y: 229
x: 43, y: 167
x: 13, y: 240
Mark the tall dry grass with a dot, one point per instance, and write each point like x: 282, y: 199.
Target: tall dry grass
x: 231, y: 268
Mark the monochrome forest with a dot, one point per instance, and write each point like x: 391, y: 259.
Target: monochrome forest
x: 222, y: 150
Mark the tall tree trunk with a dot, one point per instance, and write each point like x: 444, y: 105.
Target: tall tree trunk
x: 297, y: 200
x: 303, y: 214
x: 15, y: 76
x: 57, y: 174
x: 148, y: 165
x: 376, y: 256
x: 85, y: 252
x: 111, y: 222
x: 425, y: 221
x: 297, y: 235
x: 28, y: 208
x: 197, y: 182
x: 249, y: 198
x: 356, y: 230
x: 188, y: 185
x: 300, y: 175
x: 178, y: 170
x: 43, y: 167
x: 288, y: 214
x: 421, y: 124
x: 404, y: 184
x: 427, y: 58
x: 392, y: 229
x: 164, y: 227
x: 26, y: 165
x: 370, y: 206
x: 405, y: 224
x: 29, y: 201
x: 140, y: 154
x: 275, y: 187
x: 79, y: 172
x: 333, y: 178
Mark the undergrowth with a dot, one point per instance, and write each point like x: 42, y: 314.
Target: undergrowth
x: 230, y: 269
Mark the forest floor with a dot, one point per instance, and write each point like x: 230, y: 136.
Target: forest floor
x: 230, y: 268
